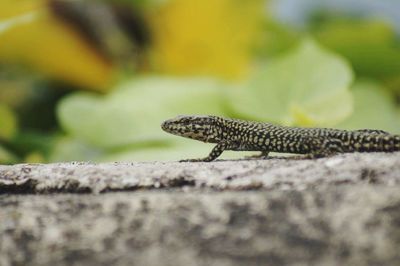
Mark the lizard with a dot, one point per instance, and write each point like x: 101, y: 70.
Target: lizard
x: 242, y: 135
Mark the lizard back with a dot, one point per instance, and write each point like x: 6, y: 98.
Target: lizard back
x: 294, y: 139
x: 241, y: 135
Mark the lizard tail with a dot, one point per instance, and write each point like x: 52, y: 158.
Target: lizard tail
x: 379, y: 143
x: 396, y: 145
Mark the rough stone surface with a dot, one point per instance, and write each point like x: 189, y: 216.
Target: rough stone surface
x: 281, y: 173
x: 343, y: 210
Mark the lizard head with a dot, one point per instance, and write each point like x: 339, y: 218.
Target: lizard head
x: 202, y: 128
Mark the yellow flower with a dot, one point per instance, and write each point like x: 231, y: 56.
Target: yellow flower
x: 204, y: 37
x: 31, y: 35
x: 12, y: 8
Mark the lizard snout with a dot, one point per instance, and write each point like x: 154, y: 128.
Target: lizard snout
x: 165, y: 125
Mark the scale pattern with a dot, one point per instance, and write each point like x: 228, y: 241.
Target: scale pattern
x: 241, y: 135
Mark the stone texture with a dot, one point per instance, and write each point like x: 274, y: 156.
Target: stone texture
x: 343, y: 210
x: 280, y: 173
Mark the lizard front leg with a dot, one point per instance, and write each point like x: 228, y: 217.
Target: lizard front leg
x: 215, y: 153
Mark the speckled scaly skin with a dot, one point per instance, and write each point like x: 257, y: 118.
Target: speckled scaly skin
x: 240, y: 135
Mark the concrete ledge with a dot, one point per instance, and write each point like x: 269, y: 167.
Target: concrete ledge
x: 343, y: 210
x: 379, y: 168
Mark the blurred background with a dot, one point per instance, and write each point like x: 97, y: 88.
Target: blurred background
x: 93, y: 80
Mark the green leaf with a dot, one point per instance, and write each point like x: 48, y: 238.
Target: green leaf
x: 370, y: 46
x: 8, y: 123
x: 28, y: 141
x: 307, y: 87
x: 181, y: 149
x: 133, y: 112
x: 7, y: 157
x: 68, y: 149
x: 374, y: 108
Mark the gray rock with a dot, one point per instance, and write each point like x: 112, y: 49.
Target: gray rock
x: 343, y: 210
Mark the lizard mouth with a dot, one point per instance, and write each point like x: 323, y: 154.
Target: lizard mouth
x: 166, y: 126
x: 173, y: 127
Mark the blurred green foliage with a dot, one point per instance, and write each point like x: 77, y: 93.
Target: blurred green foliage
x: 6, y: 156
x: 371, y: 47
x: 374, y: 107
x: 308, y: 86
x: 8, y: 122
x: 123, y: 117
x: 338, y: 72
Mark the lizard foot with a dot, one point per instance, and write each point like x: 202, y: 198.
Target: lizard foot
x: 262, y: 156
x: 194, y: 160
